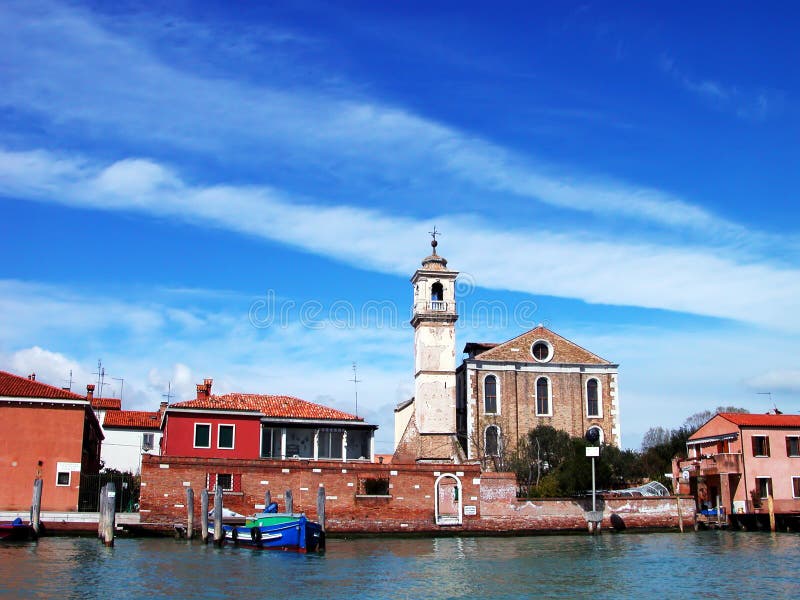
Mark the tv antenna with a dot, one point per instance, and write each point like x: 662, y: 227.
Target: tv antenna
x: 69, y: 381
x: 355, y: 381
x: 121, y: 385
x: 169, y: 395
x: 101, y: 375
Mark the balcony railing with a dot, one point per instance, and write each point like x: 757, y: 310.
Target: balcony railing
x: 438, y: 305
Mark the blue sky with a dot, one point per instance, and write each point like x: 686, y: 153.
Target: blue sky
x: 190, y: 190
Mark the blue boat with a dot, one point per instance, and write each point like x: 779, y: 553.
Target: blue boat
x: 276, y: 531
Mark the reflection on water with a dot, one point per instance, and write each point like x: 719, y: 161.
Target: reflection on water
x: 714, y: 564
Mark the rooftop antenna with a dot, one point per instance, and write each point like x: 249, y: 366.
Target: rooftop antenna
x: 101, y: 375
x: 355, y: 381
x: 69, y: 381
x: 121, y: 385
x: 169, y: 394
x: 769, y: 394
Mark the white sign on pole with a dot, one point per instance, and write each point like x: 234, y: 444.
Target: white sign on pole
x: 592, y: 451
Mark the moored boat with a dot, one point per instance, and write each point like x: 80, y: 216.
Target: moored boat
x: 16, y: 530
x: 277, y: 531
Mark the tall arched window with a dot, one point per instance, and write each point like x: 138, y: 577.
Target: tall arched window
x: 492, y: 440
x: 543, y: 396
x: 490, y: 394
x: 592, y: 398
x: 437, y: 292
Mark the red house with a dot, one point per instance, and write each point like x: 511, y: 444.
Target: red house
x: 253, y: 426
x: 46, y: 432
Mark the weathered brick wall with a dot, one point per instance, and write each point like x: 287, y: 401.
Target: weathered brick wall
x: 409, y: 506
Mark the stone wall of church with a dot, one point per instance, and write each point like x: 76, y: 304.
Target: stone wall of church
x: 516, y: 404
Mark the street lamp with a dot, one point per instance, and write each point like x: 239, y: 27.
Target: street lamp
x: 593, y: 437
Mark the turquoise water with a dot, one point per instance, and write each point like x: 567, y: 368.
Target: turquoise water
x: 708, y: 564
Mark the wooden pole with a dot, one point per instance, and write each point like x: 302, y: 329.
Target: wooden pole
x: 321, y: 506
x: 189, y: 513
x: 219, y: 534
x: 101, y: 510
x: 267, y: 500
x: 111, y: 501
x: 680, y: 514
x: 771, y: 507
x: 204, y: 516
x: 36, y: 505
x: 289, y: 502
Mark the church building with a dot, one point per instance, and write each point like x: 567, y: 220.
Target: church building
x: 479, y: 411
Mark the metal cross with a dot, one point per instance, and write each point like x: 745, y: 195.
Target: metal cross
x: 434, y: 233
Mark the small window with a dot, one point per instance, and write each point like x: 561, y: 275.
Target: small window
x: 202, y: 435
x: 63, y: 478
x: 792, y: 446
x: 592, y: 399
x: 543, y: 396
x: 490, y: 394
x: 542, y: 350
x: 225, y: 437
x: 795, y: 487
x: 329, y: 443
x: 148, y: 440
x: 373, y: 486
x: 492, y: 440
x: 760, y: 445
x: 225, y: 481
x: 764, y: 487
x: 271, y: 442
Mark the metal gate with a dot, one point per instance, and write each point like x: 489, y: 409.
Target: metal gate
x: 127, y: 488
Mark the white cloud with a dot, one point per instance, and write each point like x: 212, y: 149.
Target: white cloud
x: 74, y: 77
x: 692, y: 280
x: 776, y: 380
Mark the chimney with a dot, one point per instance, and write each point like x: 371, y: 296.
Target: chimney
x: 201, y: 392
x: 32, y: 377
x: 90, y: 392
x: 207, y: 383
x: 162, y: 407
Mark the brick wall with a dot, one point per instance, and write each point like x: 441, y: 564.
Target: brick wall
x: 408, y: 507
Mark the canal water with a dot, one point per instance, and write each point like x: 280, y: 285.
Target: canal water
x: 665, y: 565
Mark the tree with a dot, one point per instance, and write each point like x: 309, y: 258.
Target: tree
x: 655, y: 436
x: 698, y: 419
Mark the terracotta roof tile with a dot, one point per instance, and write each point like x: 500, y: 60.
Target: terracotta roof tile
x: 21, y: 387
x: 107, y: 403
x: 134, y: 419
x: 287, y: 407
x: 750, y: 420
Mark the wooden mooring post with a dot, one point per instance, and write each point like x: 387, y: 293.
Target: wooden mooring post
x: 771, y: 508
x: 289, y: 502
x: 189, y: 513
x: 321, y: 506
x: 267, y: 500
x: 101, y: 509
x: 680, y: 513
x: 109, y: 514
x: 204, y: 516
x: 36, y: 505
x: 219, y: 533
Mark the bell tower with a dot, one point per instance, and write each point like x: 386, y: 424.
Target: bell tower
x: 434, y: 319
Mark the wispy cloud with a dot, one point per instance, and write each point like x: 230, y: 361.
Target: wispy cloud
x: 73, y: 82
x: 747, y: 105
x: 693, y: 280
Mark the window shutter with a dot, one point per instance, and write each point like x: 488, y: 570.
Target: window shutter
x: 788, y: 447
x: 766, y: 446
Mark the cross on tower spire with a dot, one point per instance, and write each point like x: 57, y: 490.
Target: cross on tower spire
x: 434, y: 233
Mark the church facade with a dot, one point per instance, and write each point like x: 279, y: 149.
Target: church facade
x: 537, y: 378
x: 480, y: 410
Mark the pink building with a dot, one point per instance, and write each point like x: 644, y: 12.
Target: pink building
x: 736, y: 461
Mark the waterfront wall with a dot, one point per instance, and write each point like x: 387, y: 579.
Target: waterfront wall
x: 488, y: 500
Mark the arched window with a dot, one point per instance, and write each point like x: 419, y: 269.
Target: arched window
x: 592, y: 398
x: 437, y: 292
x: 492, y: 444
x: 490, y: 394
x: 543, y: 396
